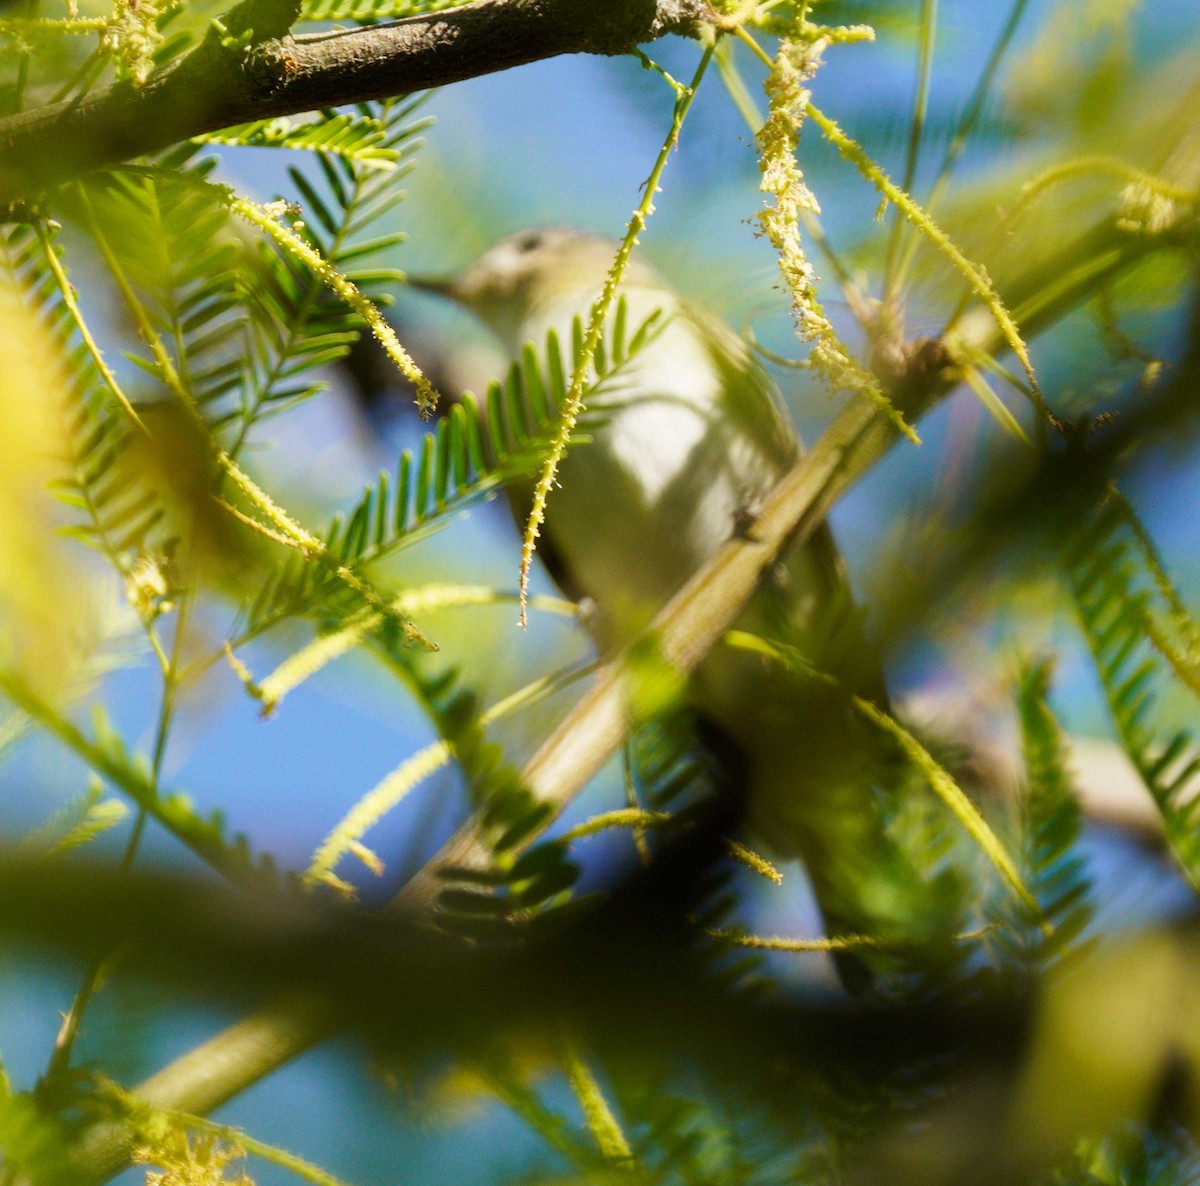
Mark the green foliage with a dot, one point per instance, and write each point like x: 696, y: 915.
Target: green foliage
x: 368, y: 10
x: 663, y: 761
x: 296, y: 326
x: 1051, y: 823
x: 1116, y: 595
x: 696, y: 1141
x: 362, y: 139
x: 474, y: 451
x: 182, y: 330
x: 118, y: 513
x: 1132, y: 1158
x: 77, y: 823
x: 176, y: 259
x: 31, y: 1139
x: 106, y: 753
x: 508, y: 813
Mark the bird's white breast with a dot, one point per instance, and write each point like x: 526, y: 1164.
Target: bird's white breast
x: 659, y: 487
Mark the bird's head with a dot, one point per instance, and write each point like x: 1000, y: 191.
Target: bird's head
x: 529, y: 272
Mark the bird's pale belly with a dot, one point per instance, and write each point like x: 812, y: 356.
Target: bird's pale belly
x: 643, y: 505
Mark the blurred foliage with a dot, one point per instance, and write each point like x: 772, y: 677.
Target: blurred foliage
x: 602, y: 977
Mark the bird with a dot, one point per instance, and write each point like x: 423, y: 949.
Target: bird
x: 684, y: 446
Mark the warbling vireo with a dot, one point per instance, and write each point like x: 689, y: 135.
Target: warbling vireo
x: 690, y: 438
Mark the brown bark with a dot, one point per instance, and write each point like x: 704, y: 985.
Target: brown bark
x: 221, y: 82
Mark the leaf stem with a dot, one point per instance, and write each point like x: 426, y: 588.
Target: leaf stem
x: 920, y: 107
x: 98, y: 967
x: 975, y: 276
x: 67, y: 291
x: 965, y: 127
x: 573, y: 404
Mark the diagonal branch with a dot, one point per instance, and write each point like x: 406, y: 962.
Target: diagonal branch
x: 240, y: 1056
x: 686, y: 630
x: 221, y: 82
x: 700, y: 613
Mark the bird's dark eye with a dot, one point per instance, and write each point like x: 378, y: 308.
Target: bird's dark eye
x: 530, y: 242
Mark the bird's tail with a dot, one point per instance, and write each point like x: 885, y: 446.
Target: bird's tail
x: 820, y: 778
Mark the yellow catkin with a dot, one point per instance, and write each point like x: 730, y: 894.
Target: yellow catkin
x: 311, y: 658
x: 573, y: 403
x: 640, y: 820
x: 939, y: 779
x: 291, y: 534
x: 372, y: 807
x: 974, y: 274
x: 789, y: 198
x: 296, y: 245
x: 827, y: 943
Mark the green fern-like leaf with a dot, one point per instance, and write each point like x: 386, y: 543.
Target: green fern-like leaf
x: 80, y: 821
x: 118, y: 514
x: 362, y: 138
x: 205, y: 835
x: 663, y: 759
x: 296, y: 326
x: 183, y: 261
x: 1051, y: 825
x: 473, y: 452
x: 1113, y: 589
x: 369, y: 10
x: 106, y: 753
x: 693, y: 1134
x: 506, y: 809
x: 532, y: 879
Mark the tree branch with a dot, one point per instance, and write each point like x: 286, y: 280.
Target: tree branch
x: 700, y: 613
x: 686, y: 629
x: 220, y: 83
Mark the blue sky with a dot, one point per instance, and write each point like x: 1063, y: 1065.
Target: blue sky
x: 566, y: 141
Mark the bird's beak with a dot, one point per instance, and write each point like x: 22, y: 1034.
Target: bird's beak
x: 443, y: 286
